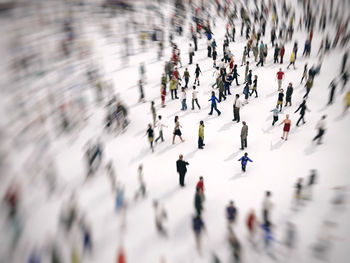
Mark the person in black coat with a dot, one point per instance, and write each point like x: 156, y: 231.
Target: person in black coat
x: 289, y: 93
x: 198, y: 200
x: 181, y: 169
x: 235, y: 74
x: 302, y: 109
x: 332, y: 86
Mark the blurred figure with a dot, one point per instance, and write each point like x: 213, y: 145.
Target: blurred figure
x: 198, y: 201
x: 323, y: 245
x: 160, y: 217
x: 291, y: 235
x: 267, y: 207
x: 231, y: 213
x: 252, y: 224
x: 332, y: 86
x: 142, y: 186
x: 198, y: 228
x: 111, y: 175
x: 321, y: 127
x: 121, y: 258
x: 235, y: 245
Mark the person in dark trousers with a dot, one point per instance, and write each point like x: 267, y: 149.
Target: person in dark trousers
x: 236, y: 107
x: 198, y: 227
x: 221, y: 87
x: 190, y: 54
x: 215, y: 55
x: 150, y: 132
x: 255, y: 85
x: 345, y: 59
x: 235, y: 74
x: 213, y: 100
x: 195, y: 98
x: 308, y: 86
x: 244, y: 135
x: 289, y: 93
x: 201, y: 135
x: 142, y: 95
x: 227, y: 82
x: 231, y: 212
x: 304, y: 73
x: 197, y: 72
x: 198, y: 201
x: 302, y: 107
x: 276, y: 54
x: 181, y: 169
x: 186, y: 76
x: 280, y: 99
x: 275, y: 115
x: 321, y: 127
x: 244, y: 160
x: 195, y: 41
x: 332, y: 86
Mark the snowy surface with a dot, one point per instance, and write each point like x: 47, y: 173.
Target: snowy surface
x: 276, y: 167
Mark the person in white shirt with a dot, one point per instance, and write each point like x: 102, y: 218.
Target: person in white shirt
x: 209, y: 47
x: 236, y: 107
x: 321, y: 127
x: 160, y: 126
x: 191, y: 53
x: 267, y: 207
x: 194, y: 98
x: 216, y: 75
x: 183, y: 99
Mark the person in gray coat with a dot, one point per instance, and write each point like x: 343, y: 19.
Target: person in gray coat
x: 244, y: 135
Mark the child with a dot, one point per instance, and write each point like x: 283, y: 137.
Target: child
x: 244, y: 160
x: 150, y: 135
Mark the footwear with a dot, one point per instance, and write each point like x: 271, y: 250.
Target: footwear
x: 282, y: 138
x: 210, y: 114
x: 233, y: 120
x: 219, y: 114
x: 241, y: 149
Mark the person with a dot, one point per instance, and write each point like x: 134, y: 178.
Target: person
x: 235, y: 245
x: 160, y: 126
x: 154, y: 114
x: 194, y: 98
x: 261, y: 58
x: 213, y: 100
x: 304, y: 73
x: 162, y: 95
x: 231, y: 213
x: 308, y: 86
x: 292, y: 60
x: 186, y: 76
x: 255, y: 84
x: 227, y: 82
x: 276, y: 53
x: 310, y: 183
x: 221, y: 87
x: 191, y: 54
x: 244, y: 56
x: 235, y: 74
x: 332, y: 86
x: 246, y: 71
x: 299, y: 188
x: 287, y: 123
x: 347, y: 101
x: 149, y: 132
x: 198, y: 227
x: 280, y: 99
x: 244, y: 135
x: 183, y: 99
x: 275, y: 115
x: 209, y: 47
x: 141, y: 191
x: 142, y: 94
x: 289, y: 93
x: 173, y: 88
x: 246, y: 93
x: 200, y: 185
x: 181, y: 169
x: 201, y: 135
x: 267, y: 207
x: 160, y: 217
x: 236, y: 107
x: 197, y: 72
x: 302, y: 107
x: 344, y: 62
x: 215, y: 54
x: 282, y: 54
x: 198, y: 201
x: 280, y: 78
x: 321, y: 127
x: 177, y: 130
x: 244, y: 160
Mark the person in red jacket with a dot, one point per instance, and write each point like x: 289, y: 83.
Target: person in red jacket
x: 200, y: 185
x: 282, y: 54
x: 121, y: 256
x: 251, y: 224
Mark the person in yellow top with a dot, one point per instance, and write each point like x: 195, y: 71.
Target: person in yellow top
x: 201, y: 135
x: 347, y: 101
x: 173, y: 88
x: 292, y: 60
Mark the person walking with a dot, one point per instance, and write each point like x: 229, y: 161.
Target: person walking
x: 195, y: 98
x: 244, y: 135
x: 231, y: 213
x: 276, y: 54
x: 244, y: 56
x: 267, y: 207
x: 287, y: 123
x: 162, y: 96
x: 198, y: 201
x: 186, y: 76
x: 160, y: 217
x: 321, y: 127
x: 275, y: 115
x: 215, y: 55
x: 292, y: 60
x: 163, y: 81
x: 142, y: 94
x: 201, y: 135
x: 280, y: 78
x: 261, y: 58
x: 197, y: 72
x: 235, y: 74
x: 289, y: 93
x: 304, y: 73
x: 244, y: 160
x: 280, y: 99
x: 190, y: 54
x: 246, y: 71
x: 251, y: 223
x: 173, y: 88
x: 282, y: 54
x: 198, y: 228
x: 246, y: 93
x: 302, y: 107
x: 200, y: 185
x: 183, y: 99
x: 236, y: 107
x: 213, y: 100
x: 177, y: 130
x: 308, y: 86
x: 221, y: 87
x: 150, y: 134
x: 154, y: 114
x: 160, y: 126
x: 181, y: 169
x: 255, y: 85
x: 332, y: 86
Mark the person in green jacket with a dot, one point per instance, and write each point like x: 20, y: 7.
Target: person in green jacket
x: 173, y: 88
x: 201, y: 135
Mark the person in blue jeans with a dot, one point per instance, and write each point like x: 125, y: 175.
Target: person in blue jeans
x: 213, y: 100
x: 244, y: 160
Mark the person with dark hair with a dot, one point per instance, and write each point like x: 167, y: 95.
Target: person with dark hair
x: 321, y: 127
x: 150, y: 134
x: 213, y: 100
x: 177, y: 130
x: 198, y: 201
x: 181, y: 169
x: 244, y: 135
x: 201, y: 135
x: 195, y: 98
x: 280, y: 99
x: 244, y: 160
x: 302, y: 107
x: 255, y: 85
x: 332, y: 86
x: 198, y: 227
x: 289, y: 93
x: 160, y: 126
x: 197, y: 72
x: 235, y: 74
x: 231, y: 213
x: 236, y: 107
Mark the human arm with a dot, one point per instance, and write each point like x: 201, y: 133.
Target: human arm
x: 240, y: 159
x: 249, y: 159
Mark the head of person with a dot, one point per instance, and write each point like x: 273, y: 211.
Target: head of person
x: 237, y: 96
x: 280, y: 69
x: 287, y: 116
x: 255, y: 76
x: 243, y: 122
x: 201, y: 122
x: 149, y: 125
x: 231, y: 203
x: 183, y: 89
x: 194, y: 87
x: 212, y: 93
x: 250, y: 71
x: 290, y: 84
x: 324, y: 116
x: 196, y: 65
x: 201, y: 178
x: 152, y: 103
x: 247, y: 63
x: 268, y: 193
x: 245, y: 154
x: 176, y: 118
x: 181, y: 156
x: 160, y: 117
